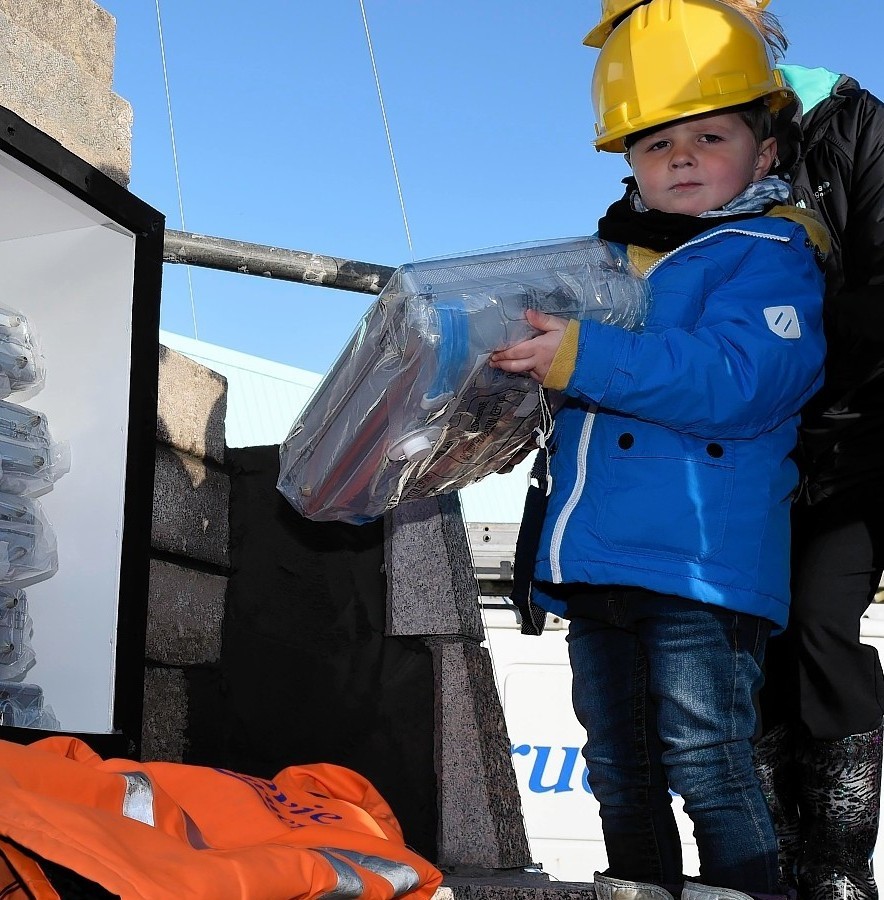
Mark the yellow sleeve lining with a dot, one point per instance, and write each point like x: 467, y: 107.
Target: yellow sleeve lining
x: 562, y: 367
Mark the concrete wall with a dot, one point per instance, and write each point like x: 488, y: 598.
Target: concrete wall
x: 56, y: 68
x: 190, y: 539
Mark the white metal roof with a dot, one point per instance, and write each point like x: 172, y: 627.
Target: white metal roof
x: 264, y: 398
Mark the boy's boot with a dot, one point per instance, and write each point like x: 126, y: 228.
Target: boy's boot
x: 693, y: 890
x: 607, y: 888
x: 777, y: 770
x: 840, y: 805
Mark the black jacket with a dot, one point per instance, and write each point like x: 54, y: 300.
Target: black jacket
x: 838, y: 170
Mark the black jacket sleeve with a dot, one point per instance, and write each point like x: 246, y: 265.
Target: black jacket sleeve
x: 856, y: 310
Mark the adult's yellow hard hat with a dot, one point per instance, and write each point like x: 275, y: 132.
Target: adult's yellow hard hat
x: 677, y: 58
x: 613, y: 10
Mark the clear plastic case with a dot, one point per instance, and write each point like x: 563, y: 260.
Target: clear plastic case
x: 30, y: 461
x: 411, y: 408
x: 22, y: 371
x: 22, y: 705
x: 27, y: 542
x: 16, y: 630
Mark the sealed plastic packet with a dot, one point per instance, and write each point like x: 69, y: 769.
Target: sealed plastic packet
x: 16, y: 629
x: 22, y: 370
x: 411, y: 409
x: 30, y: 460
x: 28, y: 551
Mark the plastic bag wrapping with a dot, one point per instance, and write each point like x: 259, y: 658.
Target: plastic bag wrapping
x: 411, y: 408
x: 27, y: 542
x: 22, y: 705
x: 16, y: 630
x: 22, y: 371
x: 30, y: 461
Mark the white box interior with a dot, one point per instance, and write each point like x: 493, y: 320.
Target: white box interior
x: 70, y: 271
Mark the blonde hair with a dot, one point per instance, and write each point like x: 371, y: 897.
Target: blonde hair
x: 766, y: 22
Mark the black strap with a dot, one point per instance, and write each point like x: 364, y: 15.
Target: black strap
x: 527, y: 545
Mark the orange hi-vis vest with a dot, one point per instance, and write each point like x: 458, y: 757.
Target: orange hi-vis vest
x: 167, y: 831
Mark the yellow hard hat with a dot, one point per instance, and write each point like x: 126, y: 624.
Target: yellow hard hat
x: 678, y: 58
x: 613, y: 10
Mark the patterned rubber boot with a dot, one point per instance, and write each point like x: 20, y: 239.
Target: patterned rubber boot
x: 607, y: 888
x: 777, y: 770
x: 840, y: 805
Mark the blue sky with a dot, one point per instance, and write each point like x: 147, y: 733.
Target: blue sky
x: 280, y: 138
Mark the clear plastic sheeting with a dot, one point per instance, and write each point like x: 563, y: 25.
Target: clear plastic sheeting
x: 22, y: 371
x: 16, y: 630
x: 412, y: 409
x: 27, y: 542
x: 30, y: 461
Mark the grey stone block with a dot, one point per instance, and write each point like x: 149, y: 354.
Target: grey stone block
x: 431, y: 589
x: 191, y: 504
x: 51, y: 92
x: 480, y: 810
x: 185, y: 615
x: 164, y: 721
x: 192, y: 404
x: 511, y: 886
x: 78, y: 29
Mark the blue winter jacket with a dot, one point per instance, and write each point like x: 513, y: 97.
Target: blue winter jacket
x: 670, y: 460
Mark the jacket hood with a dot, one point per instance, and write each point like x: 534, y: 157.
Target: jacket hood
x: 819, y: 93
x: 812, y: 86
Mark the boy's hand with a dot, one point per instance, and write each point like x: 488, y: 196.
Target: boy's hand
x: 535, y: 355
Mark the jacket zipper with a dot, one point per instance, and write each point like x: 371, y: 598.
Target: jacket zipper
x: 699, y: 240
x: 558, y: 534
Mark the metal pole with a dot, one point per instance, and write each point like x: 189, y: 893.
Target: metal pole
x: 274, y: 262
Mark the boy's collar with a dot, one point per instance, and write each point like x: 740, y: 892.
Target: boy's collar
x: 755, y: 199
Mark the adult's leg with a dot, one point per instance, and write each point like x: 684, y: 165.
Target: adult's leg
x: 623, y: 752
x: 831, y: 686
x: 836, y: 686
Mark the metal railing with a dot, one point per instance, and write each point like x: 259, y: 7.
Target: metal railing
x: 274, y: 262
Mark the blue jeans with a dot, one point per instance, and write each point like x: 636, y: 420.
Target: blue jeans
x: 665, y: 688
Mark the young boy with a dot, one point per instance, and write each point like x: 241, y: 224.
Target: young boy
x: 666, y: 539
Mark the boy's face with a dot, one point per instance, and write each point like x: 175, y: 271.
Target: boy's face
x: 697, y: 165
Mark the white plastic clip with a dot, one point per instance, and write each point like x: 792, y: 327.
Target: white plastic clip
x: 543, y: 433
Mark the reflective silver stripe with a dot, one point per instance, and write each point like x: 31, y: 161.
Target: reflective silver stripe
x: 138, y: 802
x: 349, y: 885
x: 402, y: 877
x: 555, y: 548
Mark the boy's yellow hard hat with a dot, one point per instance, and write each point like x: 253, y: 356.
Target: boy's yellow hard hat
x: 672, y: 59
x: 613, y: 10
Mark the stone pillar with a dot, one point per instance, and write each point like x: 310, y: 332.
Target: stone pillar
x: 56, y: 70
x: 433, y: 595
x: 188, y: 575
